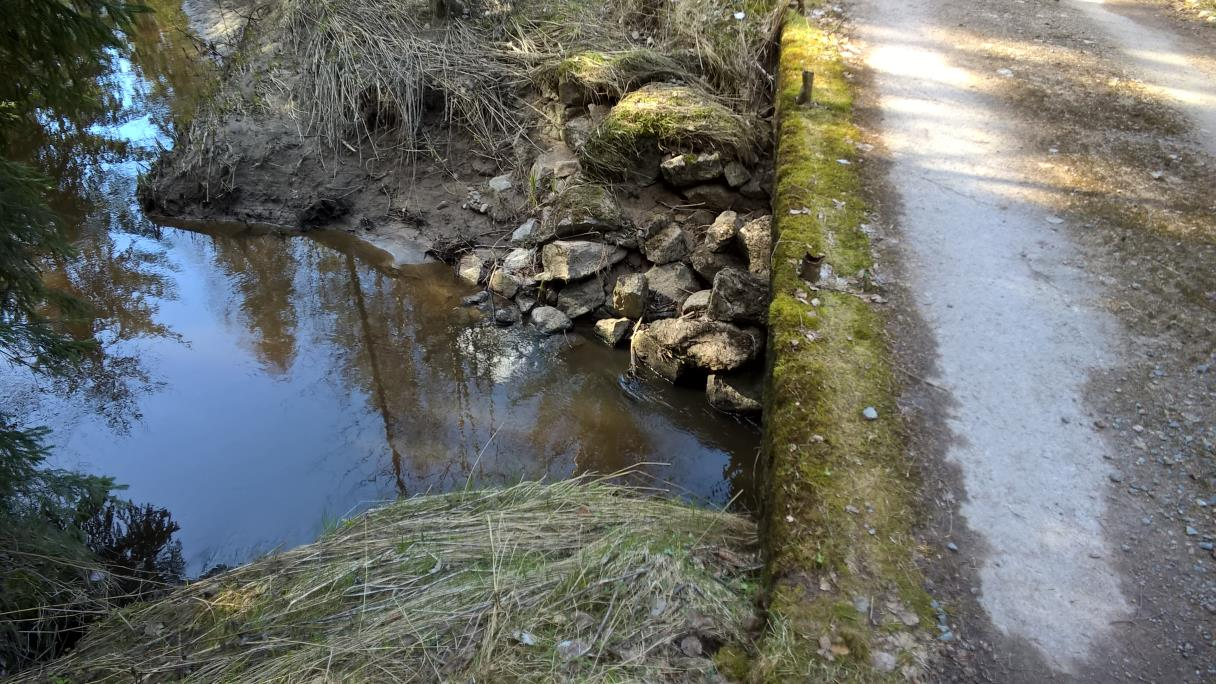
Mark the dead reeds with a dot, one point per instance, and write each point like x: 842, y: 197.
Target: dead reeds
x: 574, y: 581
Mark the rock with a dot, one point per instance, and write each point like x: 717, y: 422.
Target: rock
x: 577, y: 259
x: 674, y: 347
x: 690, y: 169
x: 668, y: 245
x: 670, y: 285
x: 690, y: 646
x: 739, y: 297
x: 549, y: 320
x: 753, y: 190
x: 736, y: 174
x: 525, y: 234
x: 721, y: 233
x: 553, y: 165
x: 869, y: 413
x: 506, y: 316
x: 525, y: 302
x: 653, y: 223
x: 613, y: 330
x: 708, y: 263
x: 577, y: 131
x: 585, y: 209
x: 583, y: 297
x: 500, y: 184
x: 469, y: 268
x: 883, y: 661
x: 520, y: 259
x: 475, y: 299
x: 732, y: 396
x: 756, y: 241
x: 714, y: 196
x: 629, y: 295
x: 503, y: 283
x: 696, y: 303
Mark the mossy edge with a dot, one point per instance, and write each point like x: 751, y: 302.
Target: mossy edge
x: 827, y: 363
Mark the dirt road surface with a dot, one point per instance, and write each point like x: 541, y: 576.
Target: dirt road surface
x: 1045, y: 179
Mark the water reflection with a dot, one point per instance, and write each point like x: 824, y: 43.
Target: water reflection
x: 258, y: 385
x: 307, y: 382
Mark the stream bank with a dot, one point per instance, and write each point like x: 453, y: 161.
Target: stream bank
x: 610, y: 172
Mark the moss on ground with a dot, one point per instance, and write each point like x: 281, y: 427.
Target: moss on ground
x: 663, y: 117
x: 839, y: 494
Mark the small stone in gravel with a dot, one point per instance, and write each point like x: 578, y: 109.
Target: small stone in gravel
x: 952, y: 546
x: 1191, y: 531
x: 883, y: 661
x: 1116, y: 476
x: 870, y: 413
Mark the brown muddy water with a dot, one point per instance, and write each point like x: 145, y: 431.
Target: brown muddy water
x: 262, y: 386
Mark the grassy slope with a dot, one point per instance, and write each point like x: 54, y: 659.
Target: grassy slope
x: 828, y: 363
x: 576, y: 581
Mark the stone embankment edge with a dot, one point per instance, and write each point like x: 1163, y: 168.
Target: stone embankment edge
x: 846, y: 600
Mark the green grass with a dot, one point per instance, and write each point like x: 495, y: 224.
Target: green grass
x: 828, y: 363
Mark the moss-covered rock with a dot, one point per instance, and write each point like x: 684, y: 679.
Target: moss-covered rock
x: 660, y: 118
x: 604, y: 76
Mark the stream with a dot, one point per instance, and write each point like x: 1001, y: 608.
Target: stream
x: 262, y: 386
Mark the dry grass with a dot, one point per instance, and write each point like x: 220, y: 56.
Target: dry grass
x: 576, y: 581
x: 352, y: 70
x: 369, y: 65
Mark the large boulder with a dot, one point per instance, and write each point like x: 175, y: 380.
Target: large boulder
x: 584, y: 209
x: 670, y: 285
x: 691, y: 169
x: 577, y: 259
x: 583, y: 297
x: 676, y: 347
x: 613, y: 330
x: 668, y: 245
x: 732, y: 395
x: 722, y: 232
x: 629, y: 295
x: 739, y: 297
x: 549, y: 320
x: 707, y: 263
x: 756, y: 240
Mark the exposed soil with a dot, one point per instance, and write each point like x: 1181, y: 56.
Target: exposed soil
x: 1044, y: 190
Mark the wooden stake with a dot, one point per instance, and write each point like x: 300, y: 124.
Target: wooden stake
x: 808, y: 83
